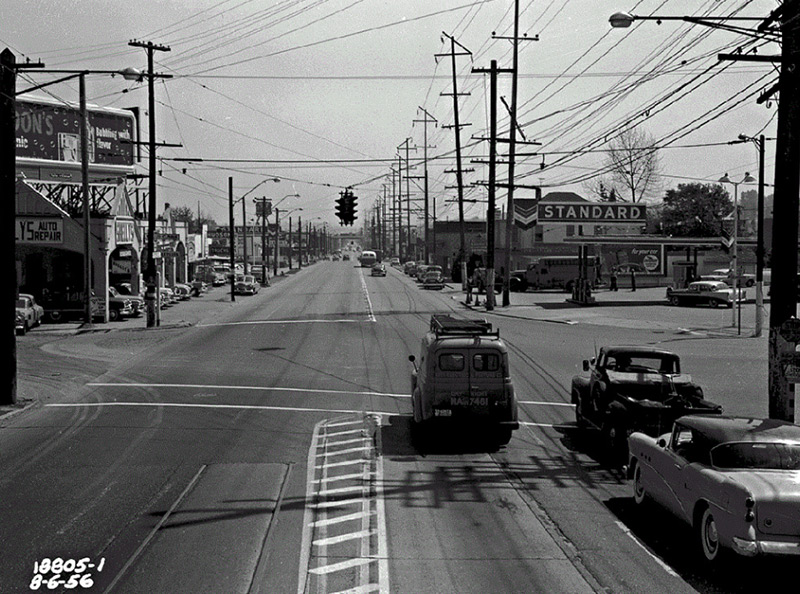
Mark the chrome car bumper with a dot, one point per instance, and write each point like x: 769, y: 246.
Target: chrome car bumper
x: 750, y: 548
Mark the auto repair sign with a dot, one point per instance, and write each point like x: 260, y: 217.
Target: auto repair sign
x: 39, y: 230
x: 592, y: 212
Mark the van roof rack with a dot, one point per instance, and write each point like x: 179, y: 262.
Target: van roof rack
x: 445, y: 325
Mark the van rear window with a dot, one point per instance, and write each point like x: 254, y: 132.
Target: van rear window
x: 485, y: 362
x: 451, y: 362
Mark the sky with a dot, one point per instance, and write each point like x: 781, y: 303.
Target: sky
x: 321, y: 93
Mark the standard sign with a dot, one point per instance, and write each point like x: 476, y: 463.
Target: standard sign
x: 592, y: 212
x: 39, y: 230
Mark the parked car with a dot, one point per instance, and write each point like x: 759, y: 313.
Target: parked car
x: 29, y: 314
x: 713, y: 293
x: 168, y: 298
x: 182, y: 291
x: 733, y: 480
x: 517, y: 281
x: 395, y: 263
x: 433, y: 279
x: 137, y: 301
x: 378, y: 269
x: 634, y: 388
x: 198, y: 287
x: 725, y: 275
x: 119, y: 306
x: 419, y: 272
x: 410, y: 268
x: 245, y: 285
x: 463, y: 377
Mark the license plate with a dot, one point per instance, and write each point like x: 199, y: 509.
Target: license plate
x: 443, y: 412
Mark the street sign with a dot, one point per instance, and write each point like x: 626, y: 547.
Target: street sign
x: 790, y: 330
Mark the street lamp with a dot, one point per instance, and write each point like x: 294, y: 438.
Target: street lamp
x: 244, y: 218
x: 734, y: 263
x: 278, y: 232
x: 623, y: 20
x: 759, y: 144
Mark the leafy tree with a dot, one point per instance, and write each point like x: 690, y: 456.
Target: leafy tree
x: 633, y: 163
x: 695, y: 210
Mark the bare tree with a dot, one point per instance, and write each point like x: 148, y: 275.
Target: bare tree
x: 602, y: 188
x: 632, y: 162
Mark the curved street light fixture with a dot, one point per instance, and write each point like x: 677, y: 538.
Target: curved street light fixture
x: 734, y: 269
x: 623, y: 20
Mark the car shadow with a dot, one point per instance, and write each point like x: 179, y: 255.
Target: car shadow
x: 675, y: 543
x: 588, y: 442
x: 399, y: 440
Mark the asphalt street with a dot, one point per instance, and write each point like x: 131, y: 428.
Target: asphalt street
x: 263, y: 445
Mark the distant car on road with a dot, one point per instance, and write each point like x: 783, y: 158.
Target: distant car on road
x: 433, y: 279
x: 713, y: 293
x: 378, y: 269
x: 733, y: 480
x: 245, y: 285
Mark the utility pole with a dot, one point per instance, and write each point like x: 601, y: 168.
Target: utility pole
x: 407, y: 148
x: 8, y: 174
x: 150, y: 269
x: 8, y: 166
x: 490, y: 213
x: 459, y: 178
x: 399, y: 206
x: 428, y: 119
x: 231, y: 247
x: 784, y: 231
x: 299, y: 242
x: 512, y: 141
x: 277, y: 239
x: 244, y: 235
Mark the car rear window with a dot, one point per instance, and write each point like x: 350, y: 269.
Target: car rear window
x: 451, y: 362
x: 775, y: 456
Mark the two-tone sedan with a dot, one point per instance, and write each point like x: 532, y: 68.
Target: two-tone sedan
x: 735, y: 481
x: 713, y: 293
x: 245, y: 284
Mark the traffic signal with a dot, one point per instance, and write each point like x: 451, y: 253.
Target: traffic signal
x: 351, y: 208
x: 341, y: 208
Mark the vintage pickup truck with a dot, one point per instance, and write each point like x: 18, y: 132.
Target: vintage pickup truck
x: 635, y: 388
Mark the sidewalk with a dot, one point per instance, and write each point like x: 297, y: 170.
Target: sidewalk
x: 179, y: 315
x: 646, y: 308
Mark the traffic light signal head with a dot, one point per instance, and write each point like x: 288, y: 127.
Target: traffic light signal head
x: 341, y: 208
x: 351, y: 208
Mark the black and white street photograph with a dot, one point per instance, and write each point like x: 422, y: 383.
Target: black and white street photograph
x: 350, y: 296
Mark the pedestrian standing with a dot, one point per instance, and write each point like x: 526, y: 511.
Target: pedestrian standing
x: 613, y: 280
x: 633, y: 279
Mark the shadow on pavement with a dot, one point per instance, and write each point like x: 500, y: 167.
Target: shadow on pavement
x: 442, y: 439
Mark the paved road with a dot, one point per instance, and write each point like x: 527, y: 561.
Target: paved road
x: 262, y: 444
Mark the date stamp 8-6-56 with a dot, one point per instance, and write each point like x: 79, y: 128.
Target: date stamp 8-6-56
x: 51, y: 574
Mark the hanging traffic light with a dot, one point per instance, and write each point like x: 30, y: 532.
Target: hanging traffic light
x: 351, y: 208
x: 341, y: 208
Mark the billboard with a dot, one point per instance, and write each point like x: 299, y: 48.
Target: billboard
x: 46, y: 130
